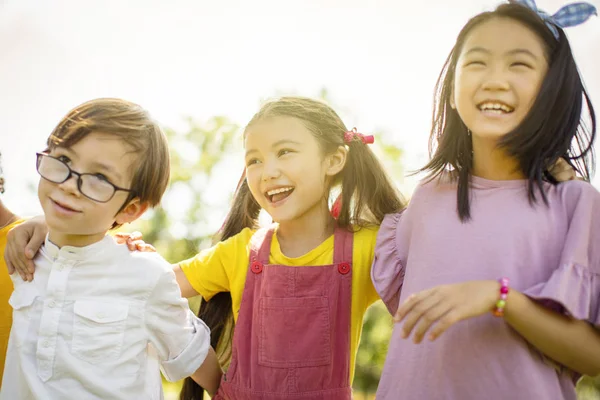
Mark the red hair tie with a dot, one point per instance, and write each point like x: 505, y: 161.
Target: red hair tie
x: 349, y: 136
x: 336, y: 208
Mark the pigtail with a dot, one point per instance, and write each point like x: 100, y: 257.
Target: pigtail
x: 216, y: 313
x: 367, y: 192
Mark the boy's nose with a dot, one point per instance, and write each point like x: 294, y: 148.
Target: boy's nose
x: 70, y: 186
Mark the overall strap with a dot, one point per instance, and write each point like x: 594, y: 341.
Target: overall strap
x: 342, y: 249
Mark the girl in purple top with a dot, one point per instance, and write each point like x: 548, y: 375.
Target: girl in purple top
x: 493, y: 270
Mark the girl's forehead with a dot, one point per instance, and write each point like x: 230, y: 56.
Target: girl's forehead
x: 274, y: 129
x: 502, y: 35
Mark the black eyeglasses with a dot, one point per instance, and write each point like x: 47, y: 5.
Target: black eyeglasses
x: 93, y: 186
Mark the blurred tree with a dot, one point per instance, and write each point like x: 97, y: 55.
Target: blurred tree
x: 182, y: 225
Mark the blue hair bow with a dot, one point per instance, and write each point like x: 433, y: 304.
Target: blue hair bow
x: 569, y: 15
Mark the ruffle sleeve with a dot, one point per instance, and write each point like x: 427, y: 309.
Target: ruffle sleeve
x: 387, y: 273
x: 573, y: 290
x: 574, y: 287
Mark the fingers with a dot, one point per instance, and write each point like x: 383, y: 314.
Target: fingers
x: 14, y: 255
x: 409, y: 303
x: 445, y: 322
x: 11, y: 269
x: 431, y: 317
x: 36, y: 241
x: 140, y: 245
x: 421, y: 307
x: 562, y: 171
x: 121, y: 237
x: 133, y: 240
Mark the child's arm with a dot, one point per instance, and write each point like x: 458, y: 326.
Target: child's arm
x: 22, y: 243
x: 571, y: 342
x: 209, y: 374
x: 182, y: 341
x: 185, y: 286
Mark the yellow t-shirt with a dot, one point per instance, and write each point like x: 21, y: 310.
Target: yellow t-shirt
x: 223, y: 268
x: 6, y: 288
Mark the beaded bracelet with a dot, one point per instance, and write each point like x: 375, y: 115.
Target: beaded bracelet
x: 501, y: 303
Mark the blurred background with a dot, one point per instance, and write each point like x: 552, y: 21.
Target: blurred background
x: 202, y: 69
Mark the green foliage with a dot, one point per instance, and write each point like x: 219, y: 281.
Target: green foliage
x: 377, y: 328
x: 196, y: 157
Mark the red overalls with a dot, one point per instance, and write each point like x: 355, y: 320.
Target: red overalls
x: 292, y: 336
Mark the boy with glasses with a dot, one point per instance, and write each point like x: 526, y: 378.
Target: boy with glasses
x: 98, y: 321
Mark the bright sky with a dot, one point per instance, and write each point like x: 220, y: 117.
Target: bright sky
x: 378, y: 59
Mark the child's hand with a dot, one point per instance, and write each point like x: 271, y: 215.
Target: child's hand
x: 445, y: 305
x: 22, y: 243
x: 562, y: 171
x: 134, y: 242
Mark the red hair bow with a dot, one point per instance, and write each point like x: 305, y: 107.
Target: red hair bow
x: 349, y: 136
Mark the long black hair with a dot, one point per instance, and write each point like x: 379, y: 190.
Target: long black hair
x: 553, y: 128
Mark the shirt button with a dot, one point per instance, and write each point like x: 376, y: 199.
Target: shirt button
x: 52, y: 304
x: 46, y: 343
x: 100, y: 315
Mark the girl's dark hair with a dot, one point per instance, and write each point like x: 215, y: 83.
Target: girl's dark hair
x: 367, y: 194
x: 553, y: 128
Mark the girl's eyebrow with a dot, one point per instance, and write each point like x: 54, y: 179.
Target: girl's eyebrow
x: 284, y: 141
x: 274, y: 145
x: 522, y: 51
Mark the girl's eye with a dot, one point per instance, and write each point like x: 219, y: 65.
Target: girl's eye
x: 283, y: 152
x: 474, y: 63
x: 520, y: 64
x: 251, y: 162
x: 64, y: 159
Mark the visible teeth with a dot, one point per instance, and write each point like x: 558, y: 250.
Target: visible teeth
x: 495, y: 106
x: 277, y: 191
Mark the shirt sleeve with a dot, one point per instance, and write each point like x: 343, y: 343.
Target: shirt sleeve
x: 387, y: 273
x: 574, y: 287
x: 211, y: 271
x: 181, y: 339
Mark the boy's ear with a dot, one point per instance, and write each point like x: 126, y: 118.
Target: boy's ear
x: 131, y: 212
x: 336, y: 161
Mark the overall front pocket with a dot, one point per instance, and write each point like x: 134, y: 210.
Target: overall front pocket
x: 294, y: 332
x: 98, y: 330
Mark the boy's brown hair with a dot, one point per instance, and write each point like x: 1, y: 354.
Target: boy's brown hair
x: 130, y: 123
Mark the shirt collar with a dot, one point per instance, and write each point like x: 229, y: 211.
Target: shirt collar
x: 77, y: 253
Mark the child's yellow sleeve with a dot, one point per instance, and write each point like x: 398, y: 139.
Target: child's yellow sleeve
x: 211, y: 271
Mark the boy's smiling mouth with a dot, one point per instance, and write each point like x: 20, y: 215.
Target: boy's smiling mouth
x: 63, y: 206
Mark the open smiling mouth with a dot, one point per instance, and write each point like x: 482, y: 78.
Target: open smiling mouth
x: 494, y: 107
x: 279, y: 194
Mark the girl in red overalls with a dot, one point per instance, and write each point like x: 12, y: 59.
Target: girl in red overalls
x: 298, y: 290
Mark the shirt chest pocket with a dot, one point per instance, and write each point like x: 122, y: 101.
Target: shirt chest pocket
x: 98, y: 330
x: 22, y: 301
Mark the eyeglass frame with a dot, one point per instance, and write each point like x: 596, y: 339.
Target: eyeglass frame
x: 72, y: 172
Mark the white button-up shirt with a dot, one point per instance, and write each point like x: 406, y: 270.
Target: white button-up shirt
x: 98, y: 322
